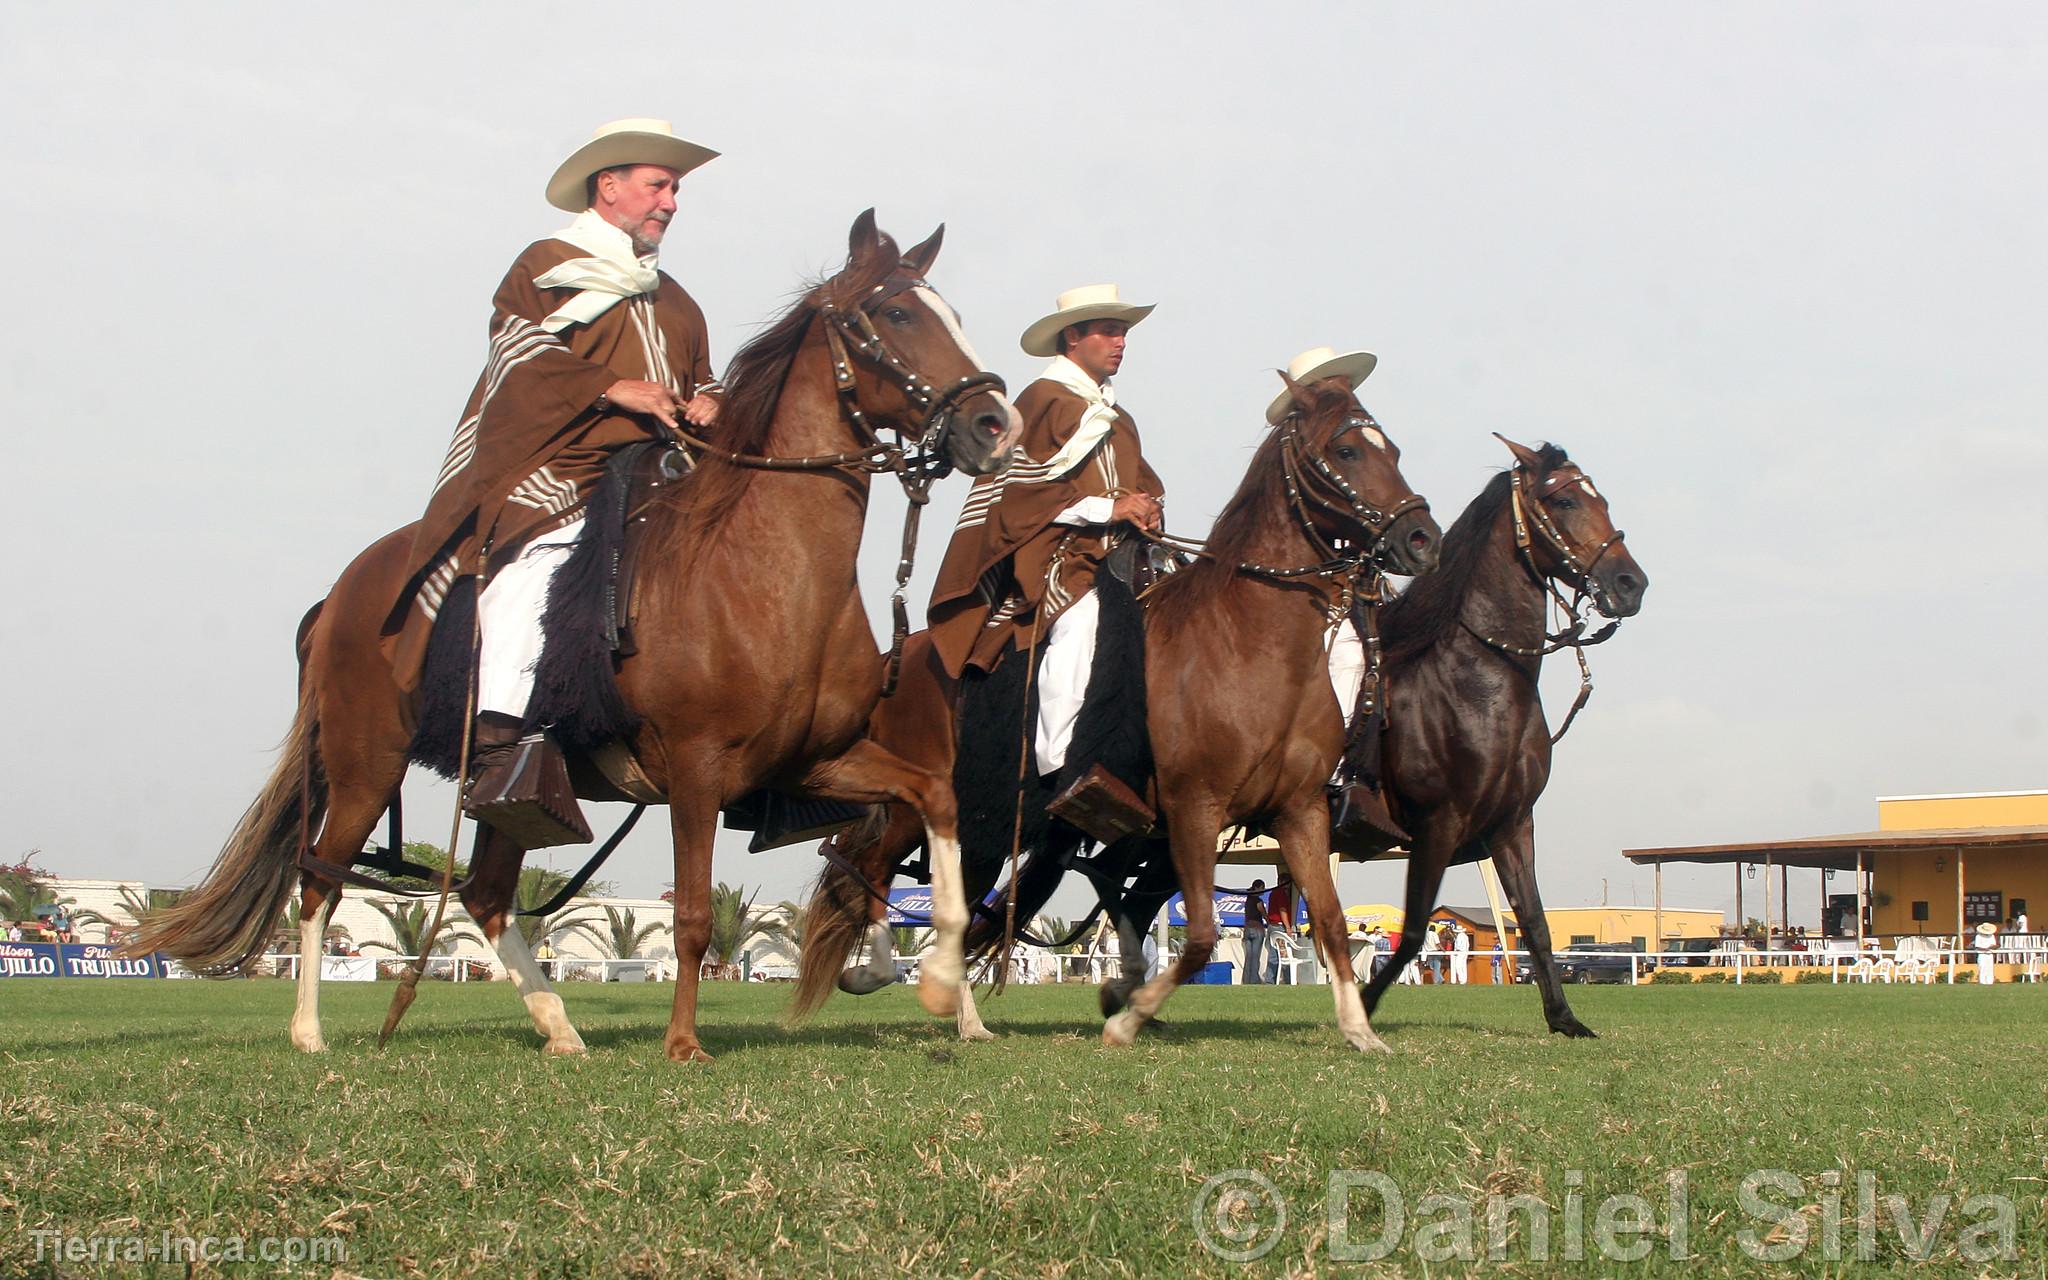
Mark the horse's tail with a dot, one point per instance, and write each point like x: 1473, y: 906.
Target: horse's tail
x: 217, y: 926
x: 832, y: 927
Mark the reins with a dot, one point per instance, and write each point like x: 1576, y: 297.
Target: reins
x: 1529, y: 512
x: 851, y: 332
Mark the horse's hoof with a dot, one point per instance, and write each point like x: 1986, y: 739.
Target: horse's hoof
x: 1121, y: 1032
x: 976, y: 1032
x: 861, y: 982
x: 1574, y: 1029
x: 687, y: 1052
x: 1368, y: 1043
x: 315, y: 1043
x: 569, y: 1046
x: 940, y: 999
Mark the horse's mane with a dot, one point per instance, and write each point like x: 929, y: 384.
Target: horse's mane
x: 753, y: 390
x: 1262, y: 490
x: 1420, y: 617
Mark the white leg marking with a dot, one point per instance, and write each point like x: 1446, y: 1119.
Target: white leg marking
x: 1358, y: 1033
x: 970, y: 1020
x: 940, y: 976
x: 542, y: 1004
x: 306, y: 1013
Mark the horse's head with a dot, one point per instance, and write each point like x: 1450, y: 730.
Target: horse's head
x: 900, y: 360
x: 1563, y: 527
x: 1345, y: 477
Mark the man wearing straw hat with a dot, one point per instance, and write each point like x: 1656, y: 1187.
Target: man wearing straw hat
x: 1030, y: 539
x: 592, y: 348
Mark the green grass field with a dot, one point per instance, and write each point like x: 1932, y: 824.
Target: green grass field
x: 872, y: 1143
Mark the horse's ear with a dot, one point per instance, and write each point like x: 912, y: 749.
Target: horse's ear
x: 864, y: 239
x: 919, y: 257
x: 1296, y: 391
x: 1523, y: 454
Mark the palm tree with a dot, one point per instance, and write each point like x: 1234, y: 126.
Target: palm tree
x: 622, y: 935
x: 789, y: 926
x: 910, y: 942
x: 408, y: 921
x: 734, y: 922
x: 24, y: 887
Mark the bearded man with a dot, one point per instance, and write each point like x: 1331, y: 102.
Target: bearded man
x: 592, y: 348
x: 1030, y: 539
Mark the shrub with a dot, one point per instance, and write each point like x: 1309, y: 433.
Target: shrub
x: 1671, y: 977
x: 1812, y: 975
x: 1714, y: 975
x: 1762, y: 975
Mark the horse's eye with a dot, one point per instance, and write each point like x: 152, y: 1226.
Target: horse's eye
x: 896, y: 315
x: 1348, y: 453
x: 1566, y: 504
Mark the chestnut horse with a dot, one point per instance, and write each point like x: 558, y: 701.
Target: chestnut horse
x: 755, y: 665
x: 1244, y: 724
x: 1467, y: 747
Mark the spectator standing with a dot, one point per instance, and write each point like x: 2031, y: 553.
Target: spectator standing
x: 1461, y: 955
x: 1499, y: 954
x: 1254, y: 935
x: 1279, y: 916
x: 1987, y: 952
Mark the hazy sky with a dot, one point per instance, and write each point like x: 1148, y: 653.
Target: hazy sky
x: 1773, y: 273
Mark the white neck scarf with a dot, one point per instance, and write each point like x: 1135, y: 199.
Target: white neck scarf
x: 611, y: 273
x: 1096, y: 419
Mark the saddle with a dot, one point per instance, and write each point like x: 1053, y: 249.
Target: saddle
x: 587, y: 627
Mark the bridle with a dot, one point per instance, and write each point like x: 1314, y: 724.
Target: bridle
x: 1299, y: 466
x: 917, y: 457
x: 1298, y: 463
x: 1529, y: 507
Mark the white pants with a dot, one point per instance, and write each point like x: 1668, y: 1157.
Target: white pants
x: 1461, y: 968
x: 1411, y: 974
x: 509, y: 611
x: 1068, y: 656
x: 1064, y: 662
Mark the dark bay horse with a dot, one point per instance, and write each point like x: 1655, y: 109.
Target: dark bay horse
x: 755, y: 664
x: 1468, y: 747
x: 1245, y: 726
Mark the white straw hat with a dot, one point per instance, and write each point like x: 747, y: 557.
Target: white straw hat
x: 1985, y: 926
x: 1078, y: 306
x: 633, y: 141
x: 1315, y: 364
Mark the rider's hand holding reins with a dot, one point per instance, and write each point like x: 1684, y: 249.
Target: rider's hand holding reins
x: 1140, y: 509
x: 635, y: 396
x: 702, y: 410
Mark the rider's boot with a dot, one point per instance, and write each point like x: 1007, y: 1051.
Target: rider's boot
x: 519, y: 786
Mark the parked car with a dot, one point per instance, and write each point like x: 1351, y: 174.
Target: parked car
x: 1699, y: 952
x: 1602, y: 962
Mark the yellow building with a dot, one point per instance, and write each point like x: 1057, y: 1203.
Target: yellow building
x: 1937, y: 865
x: 1570, y: 926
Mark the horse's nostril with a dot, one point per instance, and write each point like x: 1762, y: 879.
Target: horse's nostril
x: 1418, y: 542
x: 988, y: 424
x: 1627, y: 583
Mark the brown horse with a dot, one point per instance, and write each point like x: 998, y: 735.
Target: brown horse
x: 1468, y: 748
x: 755, y: 665
x: 1244, y: 724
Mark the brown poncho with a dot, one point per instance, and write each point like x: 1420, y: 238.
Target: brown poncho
x: 1010, y: 567
x: 530, y: 445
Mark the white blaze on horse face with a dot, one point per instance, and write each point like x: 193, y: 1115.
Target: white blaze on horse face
x: 951, y: 322
x: 1373, y: 434
x: 1588, y: 486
